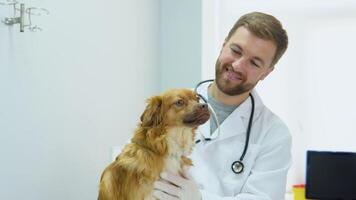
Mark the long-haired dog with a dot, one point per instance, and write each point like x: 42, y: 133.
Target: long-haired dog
x: 163, y: 140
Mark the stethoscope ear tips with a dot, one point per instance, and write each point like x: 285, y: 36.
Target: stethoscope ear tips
x: 237, y: 167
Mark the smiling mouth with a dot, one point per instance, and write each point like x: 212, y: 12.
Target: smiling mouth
x: 232, y: 75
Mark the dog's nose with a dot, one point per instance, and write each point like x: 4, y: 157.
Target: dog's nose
x: 203, y: 106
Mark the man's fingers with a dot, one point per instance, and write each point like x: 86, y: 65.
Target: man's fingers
x: 163, y: 196
x: 176, y: 180
x: 167, y: 188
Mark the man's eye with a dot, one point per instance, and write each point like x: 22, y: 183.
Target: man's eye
x: 255, y: 64
x: 236, y: 51
x: 179, y: 103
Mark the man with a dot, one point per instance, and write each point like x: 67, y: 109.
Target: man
x: 248, y: 55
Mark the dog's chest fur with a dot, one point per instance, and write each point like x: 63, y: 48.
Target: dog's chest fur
x: 180, y: 142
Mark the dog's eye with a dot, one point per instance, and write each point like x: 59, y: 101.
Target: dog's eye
x: 179, y: 103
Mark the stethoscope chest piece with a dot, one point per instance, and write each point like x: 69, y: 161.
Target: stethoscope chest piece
x: 237, y: 167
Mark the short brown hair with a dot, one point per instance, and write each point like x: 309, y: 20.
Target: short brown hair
x: 265, y: 27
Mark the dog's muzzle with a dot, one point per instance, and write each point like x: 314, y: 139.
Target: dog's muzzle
x: 199, y: 116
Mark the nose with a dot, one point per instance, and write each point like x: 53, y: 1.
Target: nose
x: 239, y: 63
x: 203, y: 106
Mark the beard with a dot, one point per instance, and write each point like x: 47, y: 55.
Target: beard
x: 230, y: 87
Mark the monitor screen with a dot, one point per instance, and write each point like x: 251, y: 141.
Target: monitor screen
x: 331, y: 175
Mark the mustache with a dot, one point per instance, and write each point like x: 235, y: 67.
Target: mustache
x: 229, y: 68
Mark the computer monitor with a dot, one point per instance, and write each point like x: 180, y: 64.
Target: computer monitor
x: 331, y: 175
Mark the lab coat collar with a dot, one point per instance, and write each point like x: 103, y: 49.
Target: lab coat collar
x: 236, y: 123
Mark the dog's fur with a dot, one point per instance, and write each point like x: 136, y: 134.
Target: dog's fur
x: 163, y: 140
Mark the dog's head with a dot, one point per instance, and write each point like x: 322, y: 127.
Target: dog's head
x: 175, y: 108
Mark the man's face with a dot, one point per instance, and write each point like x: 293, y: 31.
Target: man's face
x: 244, y: 60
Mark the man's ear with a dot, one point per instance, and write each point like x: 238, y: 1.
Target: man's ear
x: 152, y: 116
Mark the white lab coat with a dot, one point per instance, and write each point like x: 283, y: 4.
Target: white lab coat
x: 267, y: 160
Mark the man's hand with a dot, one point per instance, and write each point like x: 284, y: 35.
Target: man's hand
x: 172, y: 187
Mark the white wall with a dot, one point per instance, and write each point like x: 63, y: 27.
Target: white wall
x: 180, y: 43
x: 69, y: 93
x: 311, y: 87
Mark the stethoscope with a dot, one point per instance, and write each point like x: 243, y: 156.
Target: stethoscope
x: 237, y: 166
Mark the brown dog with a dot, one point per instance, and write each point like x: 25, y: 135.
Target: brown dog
x: 161, y: 142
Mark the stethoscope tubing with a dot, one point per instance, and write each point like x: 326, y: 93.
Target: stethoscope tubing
x: 199, y: 84
x: 248, y: 133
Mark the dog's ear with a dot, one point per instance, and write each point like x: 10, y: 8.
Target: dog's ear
x: 152, y: 116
